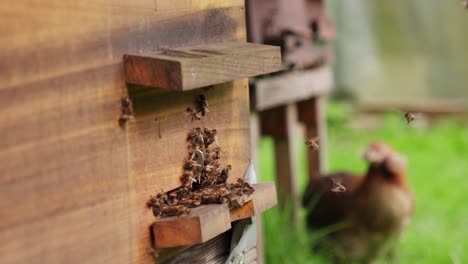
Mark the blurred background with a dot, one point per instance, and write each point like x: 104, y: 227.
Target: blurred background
x: 388, y: 57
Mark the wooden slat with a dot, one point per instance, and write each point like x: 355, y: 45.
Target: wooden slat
x: 264, y: 198
x: 197, y: 66
x: 204, y: 223
x: 207, y: 221
x: 292, y: 87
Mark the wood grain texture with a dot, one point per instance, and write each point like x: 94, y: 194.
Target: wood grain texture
x: 264, y: 198
x: 202, y: 224
x: 194, y: 67
x: 207, y: 221
x: 292, y: 87
x: 70, y: 184
x: 155, y: 163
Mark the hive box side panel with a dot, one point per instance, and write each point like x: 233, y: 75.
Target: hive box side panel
x: 65, y: 188
x: 158, y: 148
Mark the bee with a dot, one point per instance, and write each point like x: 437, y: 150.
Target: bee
x: 215, y: 153
x: 210, y: 136
x: 126, y: 111
x: 193, y: 114
x: 216, y: 163
x: 202, y: 105
x: 312, y: 144
x: 409, y: 117
x: 224, y: 174
x: 465, y: 4
x: 337, y: 186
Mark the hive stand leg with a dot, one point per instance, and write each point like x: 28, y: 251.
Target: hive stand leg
x: 254, y: 145
x: 281, y: 123
x: 312, y: 113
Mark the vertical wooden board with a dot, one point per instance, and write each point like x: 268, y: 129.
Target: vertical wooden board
x: 156, y: 162
x: 281, y: 123
x: 312, y: 114
x: 63, y: 176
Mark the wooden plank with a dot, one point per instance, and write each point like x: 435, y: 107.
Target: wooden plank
x: 197, y: 66
x: 207, y: 221
x: 204, y: 223
x: 74, y: 195
x: 264, y: 198
x: 292, y: 87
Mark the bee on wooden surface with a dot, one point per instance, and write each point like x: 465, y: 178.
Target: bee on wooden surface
x: 193, y: 114
x: 208, y: 168
x: 216, y: 163
x: 210, y: 136
x: 202, y: 105
x: 224, y: 175
x: 337, y: 186
x: 126, y: 111
x: 312, y: 144
x: 176, y: 210
x: 215, y: 153
x: 409, y: 117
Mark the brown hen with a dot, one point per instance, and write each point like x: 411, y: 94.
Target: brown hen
x: 370, y: 215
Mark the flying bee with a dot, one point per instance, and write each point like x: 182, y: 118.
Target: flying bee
x: 202, y: 105
x: 409, y: 117
x: 337, y: 186
x: 193, y: 114
x: 312, y: 144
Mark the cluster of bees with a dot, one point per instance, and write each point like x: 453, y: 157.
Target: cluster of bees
x: 203, y: 177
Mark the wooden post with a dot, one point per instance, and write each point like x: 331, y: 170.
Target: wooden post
x: 311, y: 113
x: 281, y: 123
x: 254, y: 145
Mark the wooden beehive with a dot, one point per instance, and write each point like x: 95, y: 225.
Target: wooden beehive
x: 73, y: 182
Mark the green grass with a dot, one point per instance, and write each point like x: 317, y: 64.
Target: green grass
x: 437, y: 171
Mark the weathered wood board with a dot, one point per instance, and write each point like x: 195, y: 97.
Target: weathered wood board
x: 292, y: 87
x: 193, y: 67
x: 73, y: 183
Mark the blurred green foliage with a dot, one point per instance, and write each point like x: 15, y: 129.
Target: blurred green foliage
x: 437, y: 171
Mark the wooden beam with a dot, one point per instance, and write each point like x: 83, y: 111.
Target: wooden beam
x: 207, y: 221
x: 292, y: 87
x: 198, y: 66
